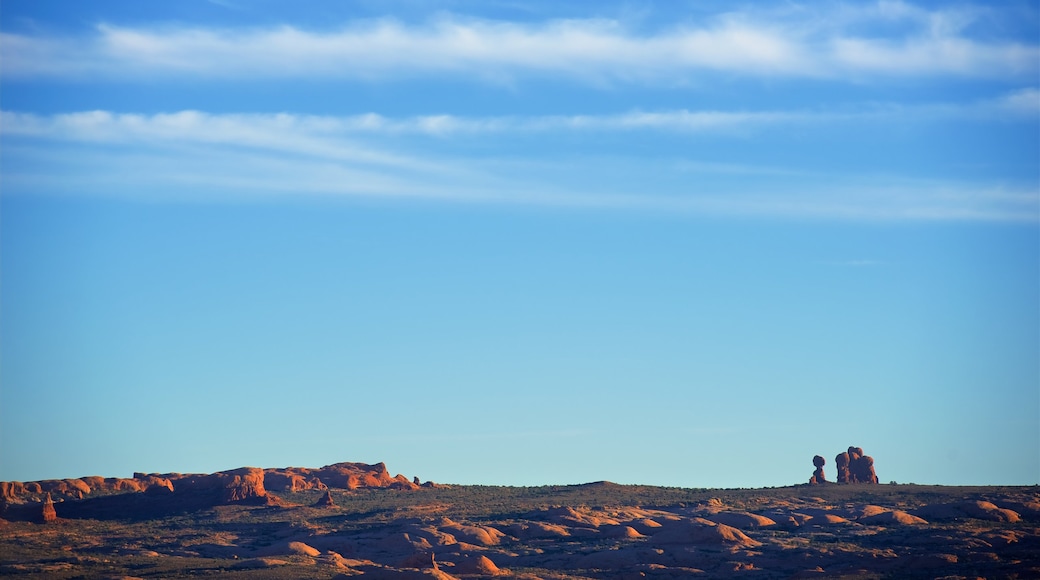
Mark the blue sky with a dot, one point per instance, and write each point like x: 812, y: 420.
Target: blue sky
x: 682, y: 243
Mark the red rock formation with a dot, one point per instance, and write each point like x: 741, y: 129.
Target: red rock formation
x: 12, y: 490
x: 338, y: 475
x: 17, y: 492
x: 855, y: 467
x: 817, y: 476
x: 864, y: 470
x: 325, y: 501
x: 229, y: 486
x: 841, y: 462
x: 47, y: 512
x: 245, y: 483
x: 421, y: 560
x: 289, y: 481
x: 861, y: 466
x: 477, y: 565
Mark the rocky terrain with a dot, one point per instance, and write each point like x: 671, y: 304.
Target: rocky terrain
x: 352, y: 519
x: 238, y: 484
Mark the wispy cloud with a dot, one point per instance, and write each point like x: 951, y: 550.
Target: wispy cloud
x: 205, y: 156
x: 304, y: 133
x: 824, y: 43
x: 1021, y: 102
x: 330, y: 136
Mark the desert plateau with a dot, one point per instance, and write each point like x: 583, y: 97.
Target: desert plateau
x: 355, y: 519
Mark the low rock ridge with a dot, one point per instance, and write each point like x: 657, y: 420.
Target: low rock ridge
x: 245, y: 484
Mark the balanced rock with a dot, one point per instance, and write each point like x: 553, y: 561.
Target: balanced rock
x: 818, y: 476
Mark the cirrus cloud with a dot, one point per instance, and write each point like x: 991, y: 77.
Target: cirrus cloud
x: 198, y: 155
x: 763, y: 44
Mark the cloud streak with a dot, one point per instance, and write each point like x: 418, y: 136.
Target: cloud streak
x: 201, y: 156
x: 758, y: 44
x: 311, y: 134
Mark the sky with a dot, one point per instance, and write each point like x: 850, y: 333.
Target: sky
x: 689, y: 243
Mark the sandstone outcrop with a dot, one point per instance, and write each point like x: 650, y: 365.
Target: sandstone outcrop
x: 244, y: 484
x: 480, y: 565
x: 855, y: 467
x: 841, y: 463
x: 894, y: 517
x: 818, y: 477
x: 698, y: 531
x: 325, y: 501
x: 344, y: 475
x: 975, y: 509
x: 861, y: 467
x: 65, y: 489
x: 741, y: 520
x: 47, y: 511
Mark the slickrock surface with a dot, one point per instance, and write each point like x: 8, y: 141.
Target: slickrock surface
x: 249, y: 528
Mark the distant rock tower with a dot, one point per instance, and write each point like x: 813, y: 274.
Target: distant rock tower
x: 47, y: 511
x: 818, y: 477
